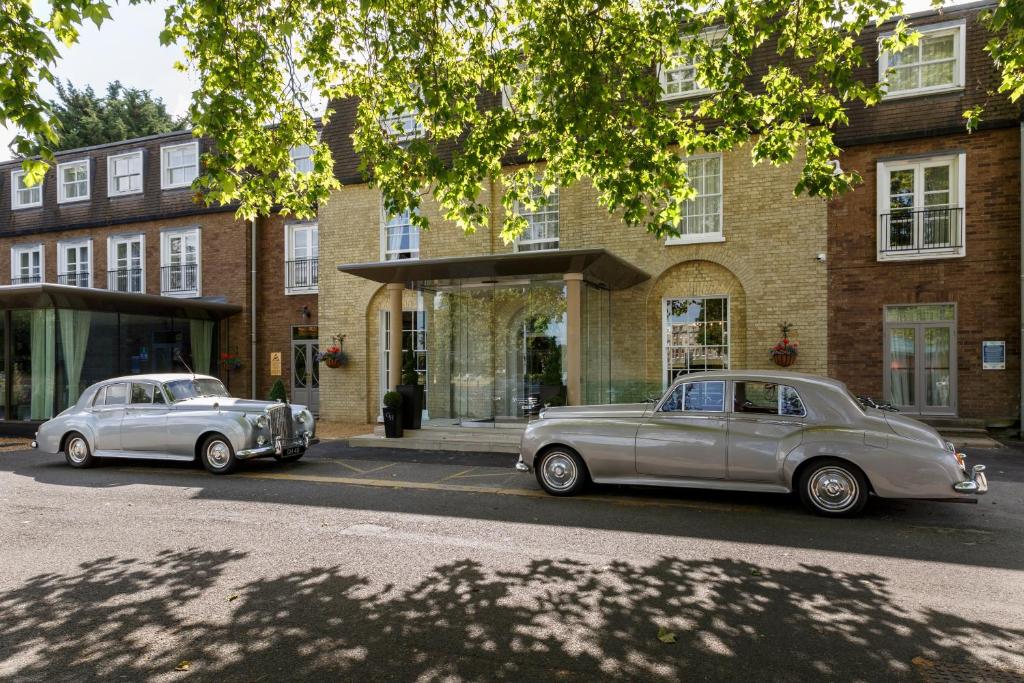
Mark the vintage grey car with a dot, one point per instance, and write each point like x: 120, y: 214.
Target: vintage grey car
x: 175, y: 417
x: 751, y: 431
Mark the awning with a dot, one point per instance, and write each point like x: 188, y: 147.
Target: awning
x: 596, y: 265
x: 87, y: 299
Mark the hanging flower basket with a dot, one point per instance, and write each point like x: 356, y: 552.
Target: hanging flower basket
x: 334, y: 356
x: 785, y: 351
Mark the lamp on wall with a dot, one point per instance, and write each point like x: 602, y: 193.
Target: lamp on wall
x: 305, y: 312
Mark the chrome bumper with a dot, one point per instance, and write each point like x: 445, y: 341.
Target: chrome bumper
x: 977, y: 484
x: 279, y: 446
x: 521, y: 466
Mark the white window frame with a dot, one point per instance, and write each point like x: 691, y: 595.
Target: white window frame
x: 111, y: 186
x: 165, y: 150
x: 62, y: 258
x: 165, y: 254
x: 16, y: 203
x: 704, y: 237
x: 384, y: 219
x: 17, y: 250
x: 289, y: 254
x: 112, y: 242
x: 412, y: 127
x: 306, y: 157
x: 539, y: 212
x: 62, y: 196
x: 664, y: 332
x: 956, y: 28
x: 711, y: 35
x: 958, y: 189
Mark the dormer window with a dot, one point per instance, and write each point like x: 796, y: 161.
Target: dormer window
x: 73, y: 181
x: 179, y: 165
x: 124, y: 174
x: 403, y: 125
x: 679, y: 77
x: 935, y: 64
x: 302, y: 158
x: 23, y: 196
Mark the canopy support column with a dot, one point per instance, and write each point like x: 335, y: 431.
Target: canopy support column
x: 573, y: 337
x: 395, y: 290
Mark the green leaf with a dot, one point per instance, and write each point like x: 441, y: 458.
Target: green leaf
x: 666, y: 636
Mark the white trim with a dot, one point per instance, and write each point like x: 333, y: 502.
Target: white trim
x: 15, y: 204
x: 62, y: 197
x: 165, y: 236
x: 384, y: 216
x: 958, y: 188
x: 307, y: 157
x: 289, y: 229
x: 554, y: 243
x: 412, y: 126
x: 705, y: 237
x: 17, y: 249
x: 709, y: 35
x: 957, y: 28
x: 112, y: 242
x: 111, y: 192
x: 164, y: 150
x: 62, y: 258
x: 664, y: 331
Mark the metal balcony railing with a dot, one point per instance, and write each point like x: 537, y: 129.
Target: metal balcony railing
x: 27, y: 280
x: 302, y: 273
x: 922, y: 231
x: 182, y: 278
x: 76, y: 279
x: 125, y: 280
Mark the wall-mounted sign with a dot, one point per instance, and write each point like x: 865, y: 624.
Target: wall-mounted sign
x: 993, y: 355
x: 275, y: 364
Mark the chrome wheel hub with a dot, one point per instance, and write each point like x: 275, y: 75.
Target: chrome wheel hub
x: 559, y: 471
x: 218, y: 454
x: 77, y: 449
x: 833, y: 489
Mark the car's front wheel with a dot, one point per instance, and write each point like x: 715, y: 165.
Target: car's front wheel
x: 833, y: 488
x: 77, y: 451
x: 217, y: 455
x: 561, y: 472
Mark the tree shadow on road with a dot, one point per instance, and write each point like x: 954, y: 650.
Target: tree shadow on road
x: 137, y: 619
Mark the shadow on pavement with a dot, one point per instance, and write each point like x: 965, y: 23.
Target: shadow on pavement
x: 137, y: 619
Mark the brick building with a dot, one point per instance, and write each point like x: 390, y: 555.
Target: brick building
x: 924, y: 258
x: 112, y: 267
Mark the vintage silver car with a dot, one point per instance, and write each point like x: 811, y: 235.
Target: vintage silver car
x: 751, y: 431
x: 175, y: 417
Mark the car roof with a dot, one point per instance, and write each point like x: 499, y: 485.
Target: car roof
x: 776, y: 377
x: 156, y: 377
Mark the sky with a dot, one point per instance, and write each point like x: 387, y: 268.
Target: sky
x: 128, y: 49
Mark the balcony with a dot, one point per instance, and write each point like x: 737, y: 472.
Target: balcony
x: 180, y: 280
x: 125, y: 280
x: 27, y: 280
x: 76, y: 279
x: 922, y: 233
x: 302, y: 274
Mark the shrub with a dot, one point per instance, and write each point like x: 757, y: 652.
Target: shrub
x: 409, y: 374
x: 392, y: 399
x: 277, y: 392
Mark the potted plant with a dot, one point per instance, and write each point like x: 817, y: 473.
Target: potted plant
x: 334, y: 356
x: 784, y: 352
x: 277, y: 392
x: 412, y: 393
x: 393, y: 415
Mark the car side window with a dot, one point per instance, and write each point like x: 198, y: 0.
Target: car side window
x: 101, y: 394
x: 158, y: 396
x: 116, y: 394
x: 142, y: 393
x: 767, y: 398
x: 696, y: 397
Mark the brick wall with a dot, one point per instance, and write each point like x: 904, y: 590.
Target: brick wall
x: 985, y: 283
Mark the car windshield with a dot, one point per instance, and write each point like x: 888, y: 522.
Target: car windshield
x: 181, y: 389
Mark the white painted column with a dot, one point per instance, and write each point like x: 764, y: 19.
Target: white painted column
x: 395, y: 290
x: 573, y: 338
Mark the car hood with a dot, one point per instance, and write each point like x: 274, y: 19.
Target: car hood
x: 616, y: 410
x: 229, y: 403
x: 910, y: 428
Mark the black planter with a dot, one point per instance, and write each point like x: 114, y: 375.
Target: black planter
x: 392, y: 423
x: 412, y: 405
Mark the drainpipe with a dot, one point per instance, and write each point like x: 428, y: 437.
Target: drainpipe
x: 1020, y: 169
x: 252, y: 308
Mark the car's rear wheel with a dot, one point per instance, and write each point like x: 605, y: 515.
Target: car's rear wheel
x: 561, y: 472
x: 833, y: 488
x: 217, y: 455
x: 77, y: 451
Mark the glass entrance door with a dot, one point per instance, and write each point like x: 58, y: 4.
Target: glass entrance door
x: 305, y: 370
x: 920, y: 358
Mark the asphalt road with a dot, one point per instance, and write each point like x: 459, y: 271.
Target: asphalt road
x: 379, y: 565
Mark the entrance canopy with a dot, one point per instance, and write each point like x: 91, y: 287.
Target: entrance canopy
x: 596, y: 265
x: 43, y: 295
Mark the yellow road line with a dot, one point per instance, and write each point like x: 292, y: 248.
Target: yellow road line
x: 359, y: 470
x: 457, y: 474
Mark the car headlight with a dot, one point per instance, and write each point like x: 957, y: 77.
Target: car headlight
x: 302, y: 417
x: 262, y: 422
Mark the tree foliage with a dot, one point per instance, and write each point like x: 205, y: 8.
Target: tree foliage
x: 84, y: 118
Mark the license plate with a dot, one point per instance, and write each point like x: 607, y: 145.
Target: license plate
x: 294, y: 450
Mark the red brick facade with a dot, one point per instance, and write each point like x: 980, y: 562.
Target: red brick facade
x: 984, y: 284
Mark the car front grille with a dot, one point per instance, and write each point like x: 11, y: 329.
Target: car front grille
x: 281, y: 422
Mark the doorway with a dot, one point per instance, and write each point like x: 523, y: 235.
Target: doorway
x: 305, y: 370
x: 920, y: 358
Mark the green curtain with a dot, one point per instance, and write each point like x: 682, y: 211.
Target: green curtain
x: 43, y: 352
x: 202, y: 345
x: 74, y: 337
